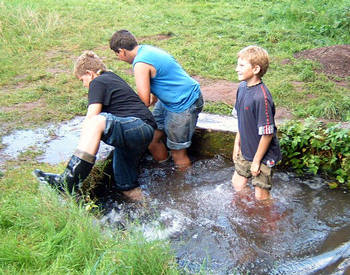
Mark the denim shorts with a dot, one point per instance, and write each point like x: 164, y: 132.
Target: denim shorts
x: 178, y: 127
x: 130, y: 137
x: 263, y: 180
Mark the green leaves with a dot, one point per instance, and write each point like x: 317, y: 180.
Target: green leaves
x: 314, y: 147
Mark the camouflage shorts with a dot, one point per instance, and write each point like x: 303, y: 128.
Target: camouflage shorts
x: 263, y: 180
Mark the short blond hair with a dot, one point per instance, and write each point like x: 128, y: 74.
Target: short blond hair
x: 256, y: 55
x: 88, y: 61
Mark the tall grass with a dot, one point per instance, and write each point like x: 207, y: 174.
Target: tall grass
x: 42, y: 233
x: 40, y: 39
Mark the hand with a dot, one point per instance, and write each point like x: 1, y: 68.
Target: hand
x: 235, y: 153
x: 255, y: 169
x: 153, y: 99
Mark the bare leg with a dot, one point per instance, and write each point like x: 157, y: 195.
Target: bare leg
x: 243, y: 194
x: 91, y: 134
x: 262, y: 194
x: 157, y: 147
x: 181, y: 159
x: 239, y: 182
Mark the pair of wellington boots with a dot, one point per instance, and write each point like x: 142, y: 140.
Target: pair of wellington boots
x: 71, y: 179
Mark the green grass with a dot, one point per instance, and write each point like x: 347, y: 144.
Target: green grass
x: 39, y: 40
x: 41, y: 233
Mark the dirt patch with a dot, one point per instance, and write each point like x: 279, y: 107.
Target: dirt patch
x: 56, y: 71
x: 155, y: 37
x: 25, y: 107
x: 218, y: 90
x: 335, y: 60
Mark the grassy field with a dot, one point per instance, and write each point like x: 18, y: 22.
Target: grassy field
x: 42, y: 233
x: 39, y: 41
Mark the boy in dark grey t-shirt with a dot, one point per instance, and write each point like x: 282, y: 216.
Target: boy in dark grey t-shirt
x: 256, y: 149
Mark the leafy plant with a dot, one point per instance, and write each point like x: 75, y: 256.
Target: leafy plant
x: 314, y: 147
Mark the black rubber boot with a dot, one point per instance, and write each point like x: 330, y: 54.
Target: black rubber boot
x: 75, y: 173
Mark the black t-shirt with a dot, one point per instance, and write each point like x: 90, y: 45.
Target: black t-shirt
x: 118, y: 98
x: 256, y: 111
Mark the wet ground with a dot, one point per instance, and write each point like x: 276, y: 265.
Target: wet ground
x: 55, y: 143
x: 306, y: 230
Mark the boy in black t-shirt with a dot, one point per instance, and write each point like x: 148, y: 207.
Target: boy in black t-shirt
x: 115, y: 115
x: 256, y: 148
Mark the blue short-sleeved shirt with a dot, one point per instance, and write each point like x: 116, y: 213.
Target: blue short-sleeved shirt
x: 172, y: 85
x: 256, y: 111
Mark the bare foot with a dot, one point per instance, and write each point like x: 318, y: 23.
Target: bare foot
x: 134, y: 194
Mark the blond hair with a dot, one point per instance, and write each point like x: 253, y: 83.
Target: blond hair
x: 256, y: 55
x: 88, y: 61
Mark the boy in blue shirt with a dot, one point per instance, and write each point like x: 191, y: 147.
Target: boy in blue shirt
x: 256, y: 148
x: 159, y: 76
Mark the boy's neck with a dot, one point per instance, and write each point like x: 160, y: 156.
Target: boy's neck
x: 253, y: 81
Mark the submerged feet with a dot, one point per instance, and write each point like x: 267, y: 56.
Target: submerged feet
x: 133, y: 195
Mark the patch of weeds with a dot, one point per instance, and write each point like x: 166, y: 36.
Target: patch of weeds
x: 9, y: 116
x: 33, y: 78
x: 20, y: 96
x: 329, y: 107
x: 30, y: 154
x: 217, y: 108
x: 305, y: 70
x: 283, y: 92
x: 48, y: 89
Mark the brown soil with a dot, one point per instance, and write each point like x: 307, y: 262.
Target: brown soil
x: 155, y: 37
x: 335, y: 60
x: 218, y: 90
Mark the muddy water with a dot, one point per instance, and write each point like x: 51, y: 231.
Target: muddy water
x: 211, y: 229
x: 305, y: 231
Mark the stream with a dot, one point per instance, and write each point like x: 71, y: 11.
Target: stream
x: 306, y: 230
x: 213, y: 230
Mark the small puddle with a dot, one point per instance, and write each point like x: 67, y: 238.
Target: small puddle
x: 56, y: 141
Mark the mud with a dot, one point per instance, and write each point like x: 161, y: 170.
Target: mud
x: 334, y: 60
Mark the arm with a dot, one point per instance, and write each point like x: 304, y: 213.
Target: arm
x: 143, y: 74
x: 93, y: 110
x: 260, y: 153
x: 236, y: 147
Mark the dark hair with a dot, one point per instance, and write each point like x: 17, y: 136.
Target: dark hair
x: 122, y: 39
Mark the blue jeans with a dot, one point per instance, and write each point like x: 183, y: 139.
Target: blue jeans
x: 130, y: 136
x: 178, y: 127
